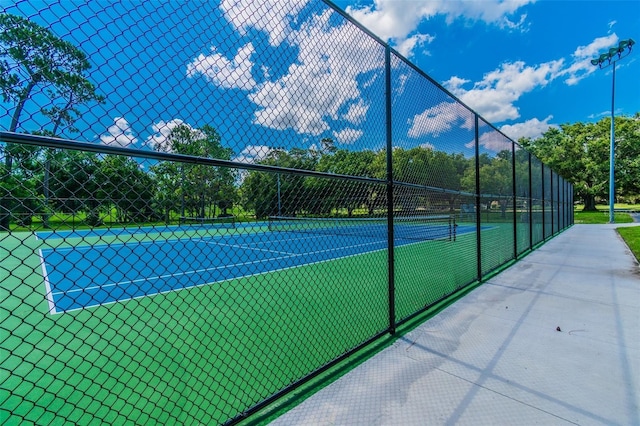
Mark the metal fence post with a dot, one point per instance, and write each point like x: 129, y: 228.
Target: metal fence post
x: 478, y: 201
x: 530, y: 201
x: 515, y: 201
x: 544, y: 218
x: 551, y: 201
x: 390, y: 243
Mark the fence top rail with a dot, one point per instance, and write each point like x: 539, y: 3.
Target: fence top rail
x: 59, y: 143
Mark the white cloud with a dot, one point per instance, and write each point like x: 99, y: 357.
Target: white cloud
x: 229, y: 74
x: 393, y: 20
x: 440, y: 119
x: 428, y: 145
x: 297, y: 100
x: 274, y: 19
x: 119, y: 134
x: 348, y: 136
x: 581, y: 66
x: 407, y: 46
x: 493, y: 141
x: 493, y: 97
x: 253, y: 153
x: 294, y: 101
x: 357, y: 112
x: 159, y: 140
x: 399, y: 89
x: 397, y: 21
x: 533, y: 128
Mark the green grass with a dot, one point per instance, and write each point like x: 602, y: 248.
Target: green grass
x: 600, y: 217
x: 631, y: 236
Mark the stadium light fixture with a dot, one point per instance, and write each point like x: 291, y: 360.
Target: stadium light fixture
x: 604, y: 60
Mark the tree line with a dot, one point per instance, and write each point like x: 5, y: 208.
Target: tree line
x: 580, y: 153
x: 43, y: 181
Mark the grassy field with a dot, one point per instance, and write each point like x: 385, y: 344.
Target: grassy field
x: 632, y: 237
x: 602, y: 215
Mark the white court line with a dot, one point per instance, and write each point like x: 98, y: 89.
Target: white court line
x: 47, y: 284
x: 319, y: 262
x: 221, y: 267
x: 246, y: 247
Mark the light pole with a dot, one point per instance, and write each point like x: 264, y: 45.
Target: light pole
x: 604, y: 60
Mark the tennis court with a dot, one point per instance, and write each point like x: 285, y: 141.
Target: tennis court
x: 81, y: 276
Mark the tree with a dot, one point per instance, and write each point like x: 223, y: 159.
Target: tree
x: 31, y: 55
x: 627, y: 151
x: 580, y: 153
x: 431, y: 168
x: 284, y: 194
x: 198, y: 188
x: 75, y: 184
x: 127, y: 187
x: 329, y: 193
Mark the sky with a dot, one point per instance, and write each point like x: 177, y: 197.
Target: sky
x: 289, y: 73
x: 524, y: 65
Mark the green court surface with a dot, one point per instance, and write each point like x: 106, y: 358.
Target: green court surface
x: 203, y: 353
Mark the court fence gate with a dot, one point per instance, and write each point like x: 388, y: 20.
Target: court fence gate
x: 205, y: 205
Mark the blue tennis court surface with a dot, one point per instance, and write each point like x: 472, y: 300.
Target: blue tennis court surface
x: 79, y: 277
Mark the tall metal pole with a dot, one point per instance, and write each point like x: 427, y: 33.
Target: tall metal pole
x: 604, y: 60
x: 612, y: 186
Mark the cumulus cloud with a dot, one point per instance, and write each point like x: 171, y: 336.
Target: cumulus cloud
x: 348, y: 136
x: 159, y: 140
x: 294, y: 102
x: 397, y: 21
x: 119, y: 134
x: 532, y: 128
x: 275, y: 20
x: 407, y: 46
x: 440, y: 119
x: 226, y: 73
x: 428, y: 145
x: 493, y: 141
x: 357, y: 112
x: 581, y: 66
x: 253, y: 153
x: 493, y: 97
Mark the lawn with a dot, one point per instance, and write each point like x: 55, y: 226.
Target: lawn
x: 632, y: 237
x: 601, y: 216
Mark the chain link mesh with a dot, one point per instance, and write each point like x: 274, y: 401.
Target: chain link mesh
x: 195, y: 200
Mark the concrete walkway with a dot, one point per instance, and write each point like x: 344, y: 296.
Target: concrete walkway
x: 553, y: 340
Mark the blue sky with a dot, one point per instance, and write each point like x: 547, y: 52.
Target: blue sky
x: 523, y: 65
x: 289, y: 73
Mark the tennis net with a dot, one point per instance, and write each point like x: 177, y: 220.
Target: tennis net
x: 216, y: 222
x: 440, y: 227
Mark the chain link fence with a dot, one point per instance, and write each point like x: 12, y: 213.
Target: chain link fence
x: 204, y: 205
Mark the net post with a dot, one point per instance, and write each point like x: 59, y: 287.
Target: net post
x: 455, y: 228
